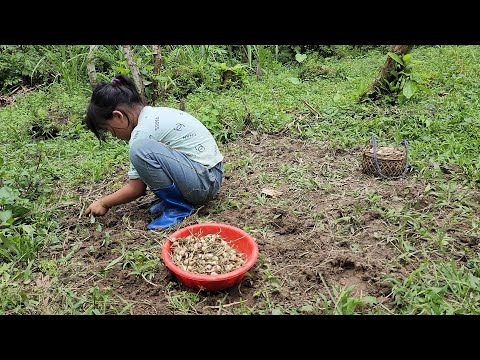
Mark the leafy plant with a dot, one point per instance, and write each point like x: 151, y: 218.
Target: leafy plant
x: 67, y: 63
x: 340, y: 301
x: 19, y: 66
x: 13, y: 298
x: 406, y: 80
x: 95, y: 301
x: 439, y: 288
x: 313, y: 68
x: 182, y: 302
x: 186, y: 79
x: 232, y: 76
x: 142, y: 263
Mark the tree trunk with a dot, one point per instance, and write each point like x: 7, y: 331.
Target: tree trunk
x: 136, y: 77
x: 92, y: 74
x: 157, y: 65
x: 378, y: 86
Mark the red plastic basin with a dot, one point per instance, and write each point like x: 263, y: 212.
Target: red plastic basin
x: 235, y: 237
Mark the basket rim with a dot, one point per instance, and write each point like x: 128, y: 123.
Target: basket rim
x: 393, y: 155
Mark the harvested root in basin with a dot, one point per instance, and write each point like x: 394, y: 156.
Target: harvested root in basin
x: 208, y: 254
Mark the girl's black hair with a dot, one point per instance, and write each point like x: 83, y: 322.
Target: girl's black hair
x: 106, y: 97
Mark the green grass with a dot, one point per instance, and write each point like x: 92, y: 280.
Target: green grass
x: 439, y: 288
x: 441, y: 127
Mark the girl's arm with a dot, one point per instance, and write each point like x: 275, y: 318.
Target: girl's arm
x: 129, y: 192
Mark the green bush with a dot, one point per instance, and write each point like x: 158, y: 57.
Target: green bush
x: 20, y: 65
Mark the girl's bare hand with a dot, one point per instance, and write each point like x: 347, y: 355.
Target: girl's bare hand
x: 96, y: 209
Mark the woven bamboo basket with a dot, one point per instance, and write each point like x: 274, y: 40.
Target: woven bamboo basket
x: 392, y: 162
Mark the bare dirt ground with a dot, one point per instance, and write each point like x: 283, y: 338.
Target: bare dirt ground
x: 320, y: 233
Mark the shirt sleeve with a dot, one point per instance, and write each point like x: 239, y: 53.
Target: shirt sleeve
x: 132, y: 173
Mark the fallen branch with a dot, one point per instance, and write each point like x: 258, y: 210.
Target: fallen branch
x: 15, y: 90
x: 151, y: 283
x: 311, y: 108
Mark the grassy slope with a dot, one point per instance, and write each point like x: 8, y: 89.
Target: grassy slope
x: 442, y: 128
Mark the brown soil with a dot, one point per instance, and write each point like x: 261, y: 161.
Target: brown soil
x: 317, y: 231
